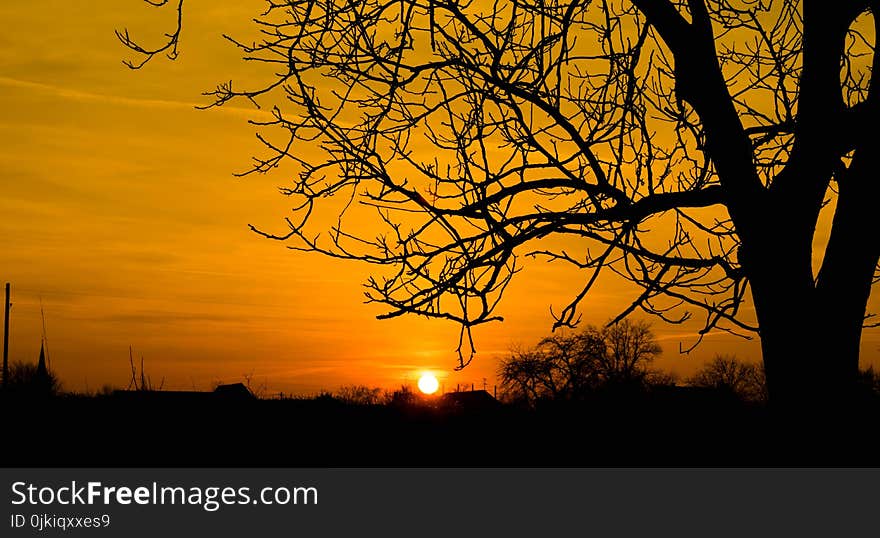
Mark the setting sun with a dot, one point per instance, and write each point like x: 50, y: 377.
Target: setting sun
x: 428, y: 383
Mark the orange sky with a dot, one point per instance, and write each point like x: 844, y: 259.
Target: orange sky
x: 121, y: 213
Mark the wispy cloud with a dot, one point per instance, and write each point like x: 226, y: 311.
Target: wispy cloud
x: 80, y: 95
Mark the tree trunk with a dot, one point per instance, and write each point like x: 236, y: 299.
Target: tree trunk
x: 811, y: 361
x: 810, y: 328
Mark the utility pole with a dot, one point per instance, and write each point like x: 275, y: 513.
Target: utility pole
x: 6, y: 341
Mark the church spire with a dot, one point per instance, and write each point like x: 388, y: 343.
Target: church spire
x: 42, y: 371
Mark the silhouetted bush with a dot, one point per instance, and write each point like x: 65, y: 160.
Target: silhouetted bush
x: 359, y: 394
x: 869, y: 381
x: 660, y: 378
x: 28, y: 379
x: 405, y: 397
x: 726, y: 372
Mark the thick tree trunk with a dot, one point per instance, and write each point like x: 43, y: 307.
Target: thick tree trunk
x: 811, y: 360
x: 810, y: 330
x: 781, y: 291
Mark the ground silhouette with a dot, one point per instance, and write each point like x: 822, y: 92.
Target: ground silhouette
x: 666, y: 426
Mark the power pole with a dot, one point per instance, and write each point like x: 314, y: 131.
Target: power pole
x: 6, y: 341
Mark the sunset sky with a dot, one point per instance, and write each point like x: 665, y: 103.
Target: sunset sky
x: 121, y: 214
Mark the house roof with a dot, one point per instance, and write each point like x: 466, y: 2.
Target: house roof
x: 469, y: 399
x: 233, y: 390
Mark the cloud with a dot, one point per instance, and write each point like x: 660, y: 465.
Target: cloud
x: 74, y: 94
x: 166, y: 318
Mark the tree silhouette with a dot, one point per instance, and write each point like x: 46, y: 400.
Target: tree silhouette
x: 726, y: 372
x: 688, y: 146
x: 572, y: 366
x: 559, y: 367
x: 29, y: 379
x: 629, y: 347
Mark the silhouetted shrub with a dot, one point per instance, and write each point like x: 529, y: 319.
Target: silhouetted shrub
x: 405, y: 397
x: 359, y: 394
x: 28, y: 379
x: 726, y: 372
x: 869, y: 381
x: 660, y: 378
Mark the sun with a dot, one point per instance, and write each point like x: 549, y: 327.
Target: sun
x: 428, y: 383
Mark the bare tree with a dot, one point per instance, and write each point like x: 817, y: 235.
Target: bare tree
x: 629, y: 347
x: 688, y: 146
x: 746, y: 380
x: 571, y: 366
x: 559, y: 367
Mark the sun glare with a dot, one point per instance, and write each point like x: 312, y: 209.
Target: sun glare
x: 428, y: 383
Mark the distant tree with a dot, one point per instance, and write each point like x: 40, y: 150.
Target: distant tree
x: 359, y: 394
x: 559, y: 367
x: 726, y: 372
x: 629, y: 347
x: 688, y: 146
x: 869, y: 381
x: 569, y: 366
x: 28, y: 379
